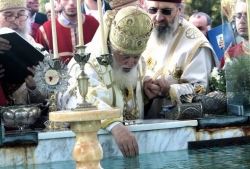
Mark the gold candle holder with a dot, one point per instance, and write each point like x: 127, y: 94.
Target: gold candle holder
x: 105, y: 59
x: 82, y: 58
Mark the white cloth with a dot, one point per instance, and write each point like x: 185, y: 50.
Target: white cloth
x: 94, y: 13
x: 188, y: 51
x: 32, y: 19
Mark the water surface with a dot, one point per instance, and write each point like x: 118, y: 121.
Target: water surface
x: 232, y: 157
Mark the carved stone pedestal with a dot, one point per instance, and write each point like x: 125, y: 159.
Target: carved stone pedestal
x: 87, y: 151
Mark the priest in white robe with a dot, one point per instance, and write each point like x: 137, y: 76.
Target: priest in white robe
x: 178, y: 56
x: 120, y: 83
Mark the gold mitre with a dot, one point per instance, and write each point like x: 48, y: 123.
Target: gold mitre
x: 130, y: 30
x: 12, y: 4
x: 227, y: 7
x: 115, y: 3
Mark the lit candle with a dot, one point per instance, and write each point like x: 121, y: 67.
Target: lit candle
x: 79, y: 21
x: 53, y: 26
x: 99, y: 5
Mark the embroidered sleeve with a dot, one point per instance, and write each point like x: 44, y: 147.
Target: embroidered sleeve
x: 107, y: 122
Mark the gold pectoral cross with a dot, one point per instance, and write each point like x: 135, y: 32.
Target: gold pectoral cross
x: 140, y: 77
x: 111, y: 85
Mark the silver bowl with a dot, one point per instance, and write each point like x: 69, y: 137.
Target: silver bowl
x: 20, y: 116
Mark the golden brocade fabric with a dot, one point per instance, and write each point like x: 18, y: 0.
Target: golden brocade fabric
x: 126, y: 34
x: 6, y: 4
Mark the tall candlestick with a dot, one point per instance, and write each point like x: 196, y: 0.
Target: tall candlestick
x: 99, y: 5
x: 53, y: 26
x: 79, y: 21
x: 248, y: 19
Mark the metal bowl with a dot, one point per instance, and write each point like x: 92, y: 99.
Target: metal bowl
x: 21, y: 115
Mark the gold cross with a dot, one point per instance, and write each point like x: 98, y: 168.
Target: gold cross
x: 111, y: 85
x: 140, y: 77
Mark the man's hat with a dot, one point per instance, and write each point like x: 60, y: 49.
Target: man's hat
x: 173, y: 1
x: 12, y: 4
x: 116, y: 3
x: 130, y: 30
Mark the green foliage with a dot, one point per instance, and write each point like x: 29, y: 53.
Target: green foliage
x: 238, y: 78
x: 217, y: 81
x: 210, y: 7
x: 42, y: 5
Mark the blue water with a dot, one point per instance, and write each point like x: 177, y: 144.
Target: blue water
x: 233, y: 157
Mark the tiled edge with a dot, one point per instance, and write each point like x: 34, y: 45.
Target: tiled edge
x: 134, y: 128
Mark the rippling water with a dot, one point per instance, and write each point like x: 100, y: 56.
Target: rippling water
x: 215, y: 158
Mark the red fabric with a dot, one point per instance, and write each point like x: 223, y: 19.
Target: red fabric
x: 65, y: 36
x: 235, y: 52
x: 3, y: 101
x: 173, y: 1
x: 34, y: 28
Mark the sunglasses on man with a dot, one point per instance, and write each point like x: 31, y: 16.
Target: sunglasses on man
x: 165, y: 11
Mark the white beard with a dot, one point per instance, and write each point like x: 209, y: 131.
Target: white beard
x: 23, y: 31
x: 124, y: 79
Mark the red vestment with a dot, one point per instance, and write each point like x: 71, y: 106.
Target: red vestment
x: 67, y: 36
x: 235, y: 52
x: 34, y: 28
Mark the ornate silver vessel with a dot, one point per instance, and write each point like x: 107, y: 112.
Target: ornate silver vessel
x: 21, y: 115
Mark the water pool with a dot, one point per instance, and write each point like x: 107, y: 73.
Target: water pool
x: 232, y: 157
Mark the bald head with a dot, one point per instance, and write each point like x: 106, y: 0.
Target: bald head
x: 202, y: 21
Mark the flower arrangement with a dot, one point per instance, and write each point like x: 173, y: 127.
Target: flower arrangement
x: 217, y: 81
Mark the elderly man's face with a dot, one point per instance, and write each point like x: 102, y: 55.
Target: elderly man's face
x: 241, y: 19
x: 18, y: 15
x: 32, y: 5
x: 165, y: 16
x: 159, y: 19
x: 200, y: 22
x: 125, y: 69
x: 125, y: 62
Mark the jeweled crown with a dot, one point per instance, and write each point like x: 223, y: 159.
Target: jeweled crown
x: 12, y: 4
x: 116, y: 3
x: 130, y: 30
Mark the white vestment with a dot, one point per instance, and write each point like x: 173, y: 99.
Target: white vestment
x: 185, y: 62
x: 102, y: 91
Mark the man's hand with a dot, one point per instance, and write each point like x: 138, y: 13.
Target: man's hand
x: 156, y: 88
x: 164, y: 86
x: 1, y: 71
x: 125, y: 140
x: 4, y: 45
x: 30, y: 83
x: 151, y: 90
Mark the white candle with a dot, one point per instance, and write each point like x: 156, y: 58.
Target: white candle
x: 99, y: 5
x: 53, y: 26
x: 248, y: 19
x: 79, y: 21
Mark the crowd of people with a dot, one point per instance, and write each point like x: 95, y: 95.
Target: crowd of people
x: 157, y: 55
